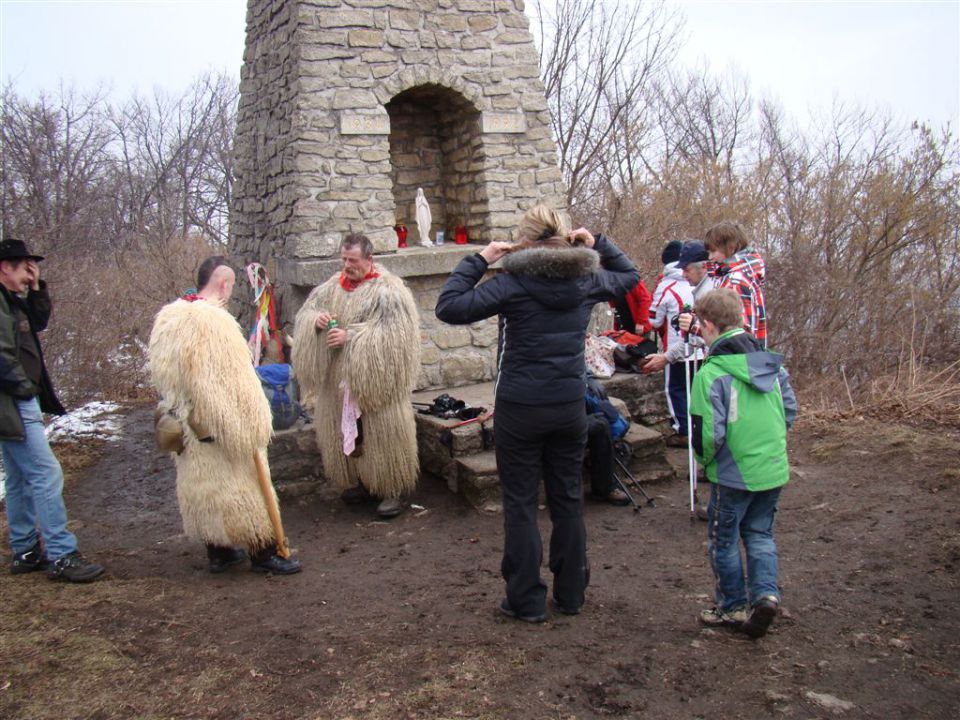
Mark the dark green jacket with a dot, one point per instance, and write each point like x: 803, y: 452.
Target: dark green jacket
x: 741, y: 406
x: 14, y: 383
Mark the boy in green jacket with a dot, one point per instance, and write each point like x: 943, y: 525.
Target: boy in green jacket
x: 741, y: 405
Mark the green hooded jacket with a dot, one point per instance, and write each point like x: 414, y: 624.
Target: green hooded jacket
x: 741, y: 405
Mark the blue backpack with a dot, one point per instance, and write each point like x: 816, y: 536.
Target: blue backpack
x: 597, y: 403
x: 281, y: 390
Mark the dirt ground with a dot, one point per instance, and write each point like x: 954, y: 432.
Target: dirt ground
x: 397, y: 619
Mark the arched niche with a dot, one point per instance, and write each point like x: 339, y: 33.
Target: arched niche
x: 436, y: 144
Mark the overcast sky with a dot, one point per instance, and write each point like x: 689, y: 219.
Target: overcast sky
x: 903, y: 57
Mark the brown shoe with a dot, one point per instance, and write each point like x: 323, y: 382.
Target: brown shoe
x: 618, y: 497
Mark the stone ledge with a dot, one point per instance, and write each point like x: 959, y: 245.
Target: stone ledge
x: 409, y: 262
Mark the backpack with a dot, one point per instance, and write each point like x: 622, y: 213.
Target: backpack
x: 281, y: 390
x: 597, y: 403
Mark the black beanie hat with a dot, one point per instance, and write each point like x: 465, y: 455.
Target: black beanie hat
x: 671, y: 253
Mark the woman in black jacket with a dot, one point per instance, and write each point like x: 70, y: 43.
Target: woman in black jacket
x: 552, y: 279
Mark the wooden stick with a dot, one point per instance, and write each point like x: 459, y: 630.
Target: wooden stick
x: 266, y: 489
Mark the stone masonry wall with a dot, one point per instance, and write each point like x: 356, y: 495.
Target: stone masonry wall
x: 264, y: 188
x: 333, y: 94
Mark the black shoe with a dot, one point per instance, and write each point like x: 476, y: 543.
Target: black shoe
x: 224, y: 558
x: 275, y: 564
x: 74, y: 567
x: 615, y: 497
x: 761, y: 616
x: 563, y: 609
x: 29, y: 561
x: 511, y: 613
x: 355, y: 495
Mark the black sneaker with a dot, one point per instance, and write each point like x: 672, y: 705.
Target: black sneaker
x: 561, y: 608
x: 507, y: 610
x: 74, y: 567
x: 356, y: 495
x: 29, y: 561
x: 762, y: 615
x: 275, y: 565
x: 223, y: 558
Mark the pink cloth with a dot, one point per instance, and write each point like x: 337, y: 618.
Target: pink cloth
x: 348, y: 420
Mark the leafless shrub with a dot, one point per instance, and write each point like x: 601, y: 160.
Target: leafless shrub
x: 858, y: 217
x: 124, y: 201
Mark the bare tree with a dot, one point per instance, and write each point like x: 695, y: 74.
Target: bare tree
x: 596, y: 57
x: 53, y: 161
x: 125, y: 201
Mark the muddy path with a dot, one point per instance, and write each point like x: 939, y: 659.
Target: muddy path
x: 397, y: 619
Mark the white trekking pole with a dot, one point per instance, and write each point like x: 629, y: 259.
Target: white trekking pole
x: 691, y: 461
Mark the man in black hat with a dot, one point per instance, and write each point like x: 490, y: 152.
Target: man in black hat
x: 36, y: 515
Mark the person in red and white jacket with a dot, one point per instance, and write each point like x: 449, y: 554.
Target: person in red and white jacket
x: 672, y: 293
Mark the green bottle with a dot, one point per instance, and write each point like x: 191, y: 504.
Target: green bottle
x: 332, y: 323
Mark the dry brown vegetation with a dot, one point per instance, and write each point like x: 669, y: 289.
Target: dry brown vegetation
x: 857, y: 216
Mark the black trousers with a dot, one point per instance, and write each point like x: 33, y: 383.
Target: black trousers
x: 600, y: 457
x: 533, y: 443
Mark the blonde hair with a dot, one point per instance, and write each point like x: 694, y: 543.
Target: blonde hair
x: 727, y: 236
x: 721, y: 307
x: 543, y: 226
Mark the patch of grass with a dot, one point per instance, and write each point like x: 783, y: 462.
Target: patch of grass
x: 460, y: 685
x: 63, y: 659
x: 75, y: 457
x: 825, y: 449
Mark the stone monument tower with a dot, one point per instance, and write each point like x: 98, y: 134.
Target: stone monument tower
x: 347, y: 107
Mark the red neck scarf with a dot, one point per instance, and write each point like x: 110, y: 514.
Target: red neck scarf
x: 192, y: 297
x: 351, y: 285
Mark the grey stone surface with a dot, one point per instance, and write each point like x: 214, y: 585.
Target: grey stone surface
x: 294, y: 459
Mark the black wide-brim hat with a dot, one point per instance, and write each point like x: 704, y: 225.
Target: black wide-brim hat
x: 13, y: 249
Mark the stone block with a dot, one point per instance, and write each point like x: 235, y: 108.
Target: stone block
x: 451, y: 23
x: 404, y: 19
x: 365, y: 38
x: 357, y: 100
x: 429, y: 355
x: 317, y: 245
x: 452, y: 337
x: 341, y: 18
x: 293, y: 455
x: 464, y: 368
x: 482, y: 23
x: 503, y: 123
x: 484, y: 334
x: 402, y: 40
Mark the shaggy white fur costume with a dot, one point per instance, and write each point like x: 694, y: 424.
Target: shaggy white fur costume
x: 201, y: 366
x: 379, y: 363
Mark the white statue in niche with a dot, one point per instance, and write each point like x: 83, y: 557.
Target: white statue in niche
x: 424, y: 218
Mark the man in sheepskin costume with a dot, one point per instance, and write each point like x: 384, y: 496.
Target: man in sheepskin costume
x: 201, y: 366
x: 356, y: 349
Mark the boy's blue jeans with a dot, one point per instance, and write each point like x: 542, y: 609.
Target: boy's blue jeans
x: 34, y: 488
x: 735, y: 515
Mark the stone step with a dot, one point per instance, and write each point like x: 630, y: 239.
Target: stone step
x: 643, y: 396
x: 477, y: 480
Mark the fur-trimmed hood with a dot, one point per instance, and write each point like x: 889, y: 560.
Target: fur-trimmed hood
x: 554, y: 276
x: 553, y: 263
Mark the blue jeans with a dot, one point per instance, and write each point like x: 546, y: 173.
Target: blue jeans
x: 34, y: 488
x: 735, y: 515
